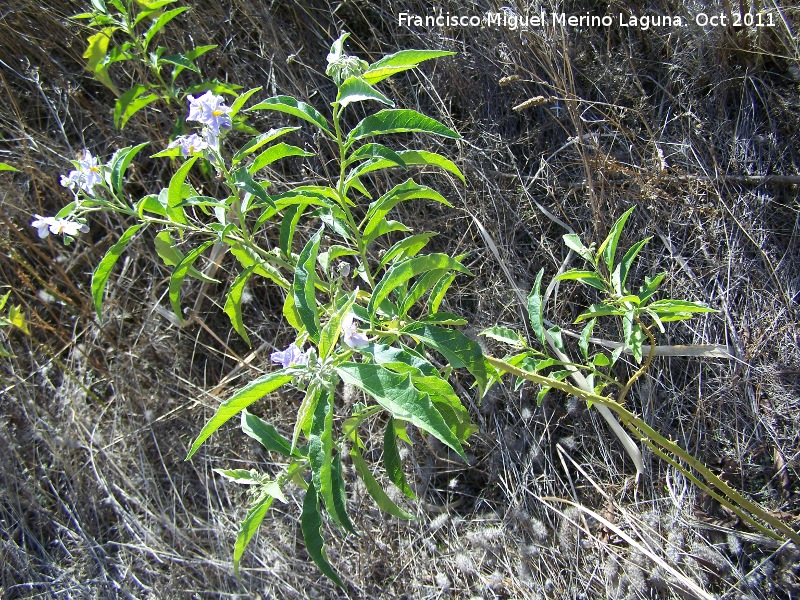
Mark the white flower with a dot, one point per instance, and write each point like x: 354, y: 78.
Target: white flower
x: 48, y: 225
x: 352, y: 336
x: 189, y: 144
x: 85, y: 177
x: 292, y: 356
x: 209, y: 109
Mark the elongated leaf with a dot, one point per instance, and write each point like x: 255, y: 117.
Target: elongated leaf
x: 407, y: 247
x: 239, y: 102
x: 355, y: 89
x: 375, y: 490
x: 370, y: 151
x: 130, y: 103
x: 165, y: 248
x: 340, y: 494
x: 320, y: 452
x: 233, y: 303
x: 599, y: 310
x: 294, y: 107
x: 397, y: 395
x: 421, y: 286
x: 456, y: 347
x: 191, y: 56
x: 6, y: 167
x: 175, y: 191
x: 392, y: 462
x: 333, y: 328
x: 265, y: 434
x: 179, y: 60
x: 402, y: 271
x: 588, y: 277
x: 620, y: 274
x: 95, y: 55
x: 249, y: 527
x: 535, y: 307
x: 583, y: 342
x: 608, y: 249
x: 679, y: 306
x: 650, y: 286
x: 573, y: 242
x: 247, y: 258
x: 634, y: 335
x: 400, y: 359
x: 506, y: 336
x: 159, y: 23
x: 253, y: 391
x: 398, y: 62
x: 303, y: 288
x: 258, y: 142
x: 407, y: 190
x: 310, y: 524
x: 392, y: 120
x: 103, y: 269
x: 413, y: 158
x: 305, y: 414
x: 243, y: 179
x: 179, y: 274
x: 383, y: 227
x: 288, y: 225
x: 119, y: 164
x: 276, y: 152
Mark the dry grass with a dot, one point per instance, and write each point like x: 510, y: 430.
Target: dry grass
x: 697, y: 129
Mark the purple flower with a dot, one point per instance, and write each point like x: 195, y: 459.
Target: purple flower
x: 209, y: 109
x: 85, y: 177
x: 189, y: 144
x: 352, y: 336
x: 48, y: 225
x: 292, y: 356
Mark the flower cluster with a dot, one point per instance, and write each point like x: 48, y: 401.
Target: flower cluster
x: 352, y: 336
x: 210, y: 110
x: 47, y: 225
x: 85, y: 177
x: 189, y: 144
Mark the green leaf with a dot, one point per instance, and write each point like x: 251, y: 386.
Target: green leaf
x: 650, y: 286
x: 599, y: 310
x: 119, y: 164
x: 407, y: 247
x: 276, y: 152
x: 175, y: 192
x: 413, y: 158
x: 103, y: 270
x: 247, y: 258
x: 397, y: 395
x: 165, y: 248
x: 407, y: 190
x: 243, y: 180
x: 398, y: 121
x: 5, y: 167
x: 179, y: 274
x: 370, y: 151
x: 375, y: 490
x: 95, y: 55
x: 288, y: 225
x: 573, y: 242
x: 679, y: 306
x: 259, y: 141
x: 265, y: 434
x: 535, y: 307
x: 240, y: 476
x: 305, y: 414
x: 159, y: 23
x: 340, y: 494
x: 191, y: 56
x: 294, y: 107
x: 333, y: 328
x: 355, y: 89
x: 249, y: 527
x: 130, y: 103
x: 382, y: 228
x: 239, y: 102
x: 608, y: 249
x: 402, y: 271
x: 588, y: 277
x: 303, y: 288
x: 253, y: 391
x: 620, y: 274
x: 421, y: 286
x: 233, y: 303
x: 310, y: 524
x: 583, y: 342
x: 392, y: 462
x: 400, y: 359
x: 634, y: 335
x: 505, y: 336
x: 456, y: 347
x: 178, y: 60
x: 320, y: 452
x: 398, y: 62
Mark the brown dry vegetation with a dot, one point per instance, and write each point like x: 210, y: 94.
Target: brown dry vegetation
x: 697, y: 129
